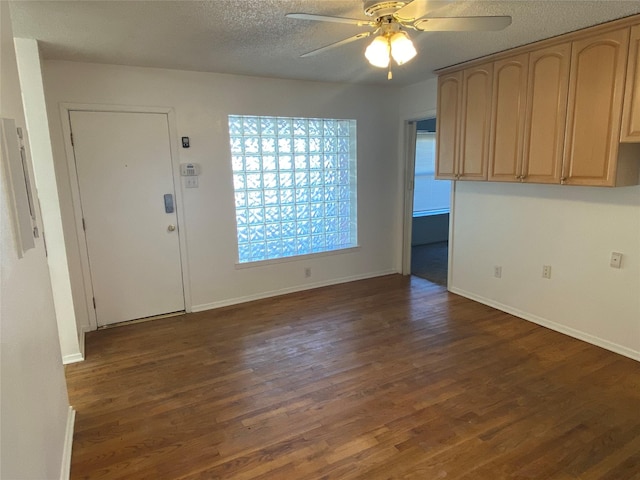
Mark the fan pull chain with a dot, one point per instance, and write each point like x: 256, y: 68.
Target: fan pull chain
x: 389, y: 73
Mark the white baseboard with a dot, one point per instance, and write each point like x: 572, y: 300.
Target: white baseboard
x: 72, y: 358
x: 284, y: 291
x: 558, y: 327
x: 83, y: 331
x: 77, y: 357
x: 65, y: 468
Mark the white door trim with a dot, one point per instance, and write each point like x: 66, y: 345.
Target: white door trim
x: 65, y: 108
x: 408, y: 164
x: 410, y: 133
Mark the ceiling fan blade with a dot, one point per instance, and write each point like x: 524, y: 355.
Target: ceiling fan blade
x: 462, y: 24
x: 336, y: 44
x: 326, y: 18
x: 417, y: 9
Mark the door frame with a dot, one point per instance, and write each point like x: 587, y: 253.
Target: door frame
x: 407, y: 154
x: 409, y: 137
x: 65, y: 109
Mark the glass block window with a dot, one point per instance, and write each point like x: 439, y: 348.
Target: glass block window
x: 295, y: 185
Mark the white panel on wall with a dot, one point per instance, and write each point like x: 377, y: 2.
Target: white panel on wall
x: 17, y: 172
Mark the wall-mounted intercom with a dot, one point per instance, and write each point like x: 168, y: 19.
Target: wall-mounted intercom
x: 190, y: 171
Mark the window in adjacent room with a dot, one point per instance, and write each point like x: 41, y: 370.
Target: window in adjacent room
x: 430, y: 196
x: 295, y: 185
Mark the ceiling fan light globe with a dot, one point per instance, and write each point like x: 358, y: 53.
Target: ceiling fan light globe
x: 402, y: 49
x: 377, y: 53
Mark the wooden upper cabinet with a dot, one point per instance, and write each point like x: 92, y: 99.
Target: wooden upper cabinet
x: 548, y: 86
x: 447, y: 120
x: 550, y: 112
x: 631, y: 106
x: 594, y: 109
x: 475, y: 120
x: 508, y: 108
x: 464, y: 111
x: 528, y: 115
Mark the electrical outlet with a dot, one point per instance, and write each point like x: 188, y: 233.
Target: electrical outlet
x: 307, y: 272
x: 546, y: 271
x: 616, y: 260
x: 497, y: 271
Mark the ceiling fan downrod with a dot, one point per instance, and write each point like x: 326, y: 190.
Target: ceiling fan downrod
x: 378, y: 9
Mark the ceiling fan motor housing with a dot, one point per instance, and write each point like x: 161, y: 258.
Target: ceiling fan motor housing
x: 378, y: 9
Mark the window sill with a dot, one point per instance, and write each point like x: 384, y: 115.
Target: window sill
x: 431, y: 213
x: 297, y: 258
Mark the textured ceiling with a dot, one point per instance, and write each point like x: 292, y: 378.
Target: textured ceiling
x: 253, y: 37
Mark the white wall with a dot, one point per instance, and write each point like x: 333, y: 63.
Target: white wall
x: 573, y: 229
x: 29, y: 69
x: 418, y: 101
x: 202, y: 102
x: 34, y: 403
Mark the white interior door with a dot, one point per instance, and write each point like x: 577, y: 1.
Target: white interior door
x: 123, y: 163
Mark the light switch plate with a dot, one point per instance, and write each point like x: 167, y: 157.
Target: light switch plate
x: 191, y: 182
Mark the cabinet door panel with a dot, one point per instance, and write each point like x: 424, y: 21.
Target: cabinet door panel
x: 507, y: 118
x: 594, y: 111
x: 475, y: 122
x: 546, y: 113
x: 631, y: 107
x: 449, y: 90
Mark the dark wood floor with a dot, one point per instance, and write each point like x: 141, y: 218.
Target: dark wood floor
x: 388, y: 378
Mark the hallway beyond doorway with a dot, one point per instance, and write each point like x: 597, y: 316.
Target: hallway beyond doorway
x: 430, y: 262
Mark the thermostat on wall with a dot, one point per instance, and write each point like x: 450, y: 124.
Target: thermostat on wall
x: 189, y: 169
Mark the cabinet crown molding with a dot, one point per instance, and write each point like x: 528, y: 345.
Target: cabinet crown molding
x: 548, y: 42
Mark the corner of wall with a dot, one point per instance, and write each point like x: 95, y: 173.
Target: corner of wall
x: 65, y: 467
x: 31, y: 84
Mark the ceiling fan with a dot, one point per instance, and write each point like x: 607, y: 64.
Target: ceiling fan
x: 389, y: 21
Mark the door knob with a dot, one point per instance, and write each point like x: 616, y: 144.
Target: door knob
x: 171, y: 228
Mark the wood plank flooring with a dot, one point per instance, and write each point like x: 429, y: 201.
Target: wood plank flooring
x: 387, y: 378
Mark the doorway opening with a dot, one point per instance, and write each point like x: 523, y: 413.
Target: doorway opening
x: 430, y: 208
